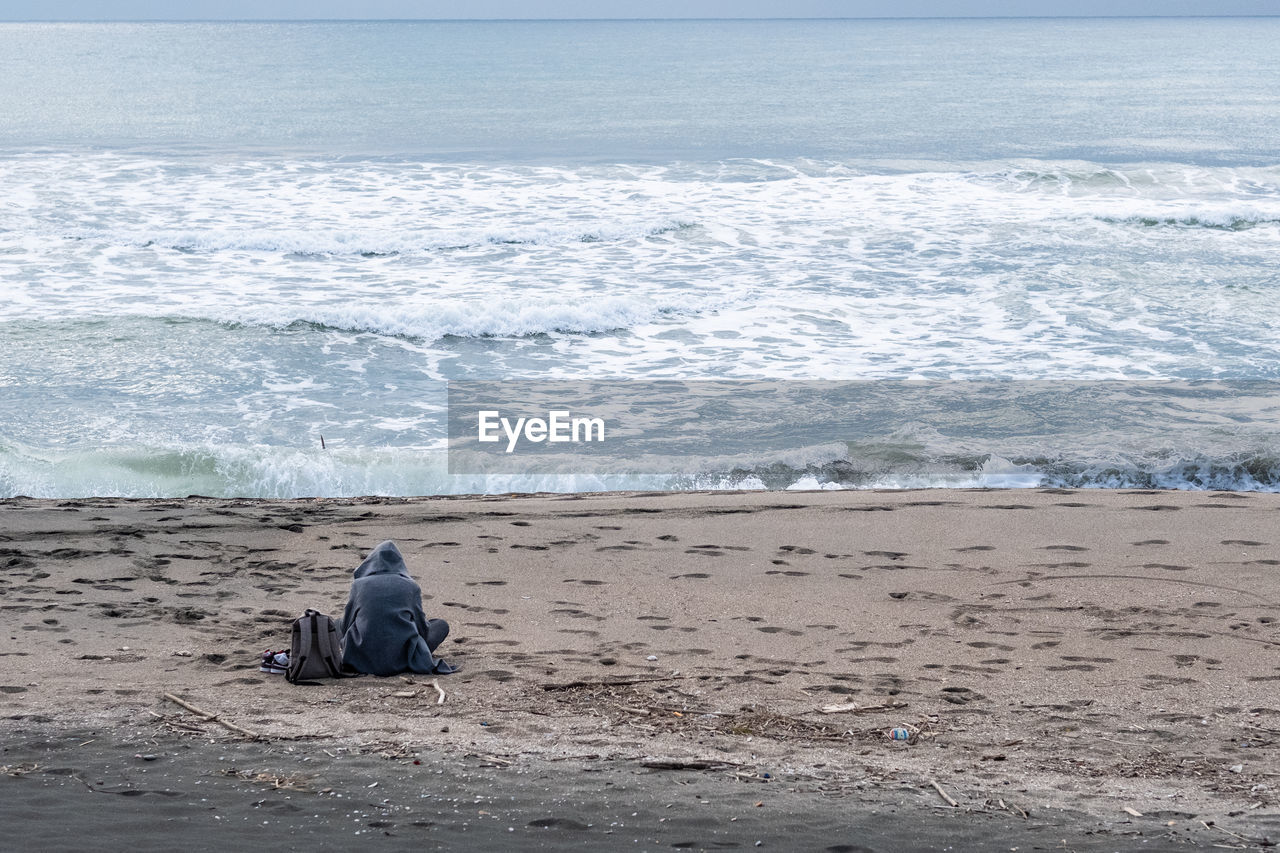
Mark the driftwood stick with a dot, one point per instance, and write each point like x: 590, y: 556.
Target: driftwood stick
x: 621, y: 682
x: 213, y: 718
x: 687, y: 764
x: 943, y: 794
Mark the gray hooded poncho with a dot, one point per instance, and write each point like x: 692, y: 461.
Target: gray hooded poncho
x: 384, y: 631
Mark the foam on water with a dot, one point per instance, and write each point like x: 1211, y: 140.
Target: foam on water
x: 757, y: 267
x: 217, y: 315
x: 136, y: 471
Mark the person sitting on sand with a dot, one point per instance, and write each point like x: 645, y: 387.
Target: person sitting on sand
x: 384, y: 631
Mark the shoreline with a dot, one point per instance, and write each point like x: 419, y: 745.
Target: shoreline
x: 1088, y: 650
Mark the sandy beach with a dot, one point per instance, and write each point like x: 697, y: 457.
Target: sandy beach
x: 1089, y: 666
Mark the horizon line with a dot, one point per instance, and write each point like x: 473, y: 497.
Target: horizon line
x: 616, y: 20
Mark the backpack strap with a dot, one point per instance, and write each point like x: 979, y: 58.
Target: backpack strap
x: 330, y: 647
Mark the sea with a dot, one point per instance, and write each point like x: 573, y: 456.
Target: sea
x: 246, y: 259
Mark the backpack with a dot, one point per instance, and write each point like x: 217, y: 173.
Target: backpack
x: 316, y: 652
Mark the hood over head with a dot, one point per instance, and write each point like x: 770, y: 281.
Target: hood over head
x: 383, y: 560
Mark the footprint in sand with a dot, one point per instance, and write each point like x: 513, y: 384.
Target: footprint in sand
x: 959, y: 695
x: 888, y: 555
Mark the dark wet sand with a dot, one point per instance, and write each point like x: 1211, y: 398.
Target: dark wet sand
x: 96, y: 791
x: 1076, y: 654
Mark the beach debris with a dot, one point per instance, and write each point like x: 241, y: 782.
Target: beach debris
x: 439, y: 690
x: 687, y: 764
x: 652, y: 657
x: 618, y: 682
x: 943, y: 794
x: 403, y: 694
x: 900, y: 733
x: 1012, y: 807
x: 1263, y: 842
x: 213, y: 718
x: 852, y: 708
x: 278, y: 781
x: 1129, y: 810
x: 1236, y: 768
x: 17, y: 769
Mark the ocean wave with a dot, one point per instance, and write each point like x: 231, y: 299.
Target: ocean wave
x: 1251, y: 473
x: 223, y: 471
x: 1218, y: 221
x: 337, y: 242
x: 275, y: 472
x: 444, y: 319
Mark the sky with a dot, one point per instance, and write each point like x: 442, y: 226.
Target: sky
x: 96, y: 10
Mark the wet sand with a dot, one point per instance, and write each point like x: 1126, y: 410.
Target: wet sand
x: 1062, y: 660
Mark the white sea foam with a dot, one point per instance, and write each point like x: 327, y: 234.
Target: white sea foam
x: 258, y: 471
x: 377, y: 276
x: 359, y: 242
x: 431, y: 320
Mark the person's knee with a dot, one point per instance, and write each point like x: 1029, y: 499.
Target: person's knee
x: 437, y: 630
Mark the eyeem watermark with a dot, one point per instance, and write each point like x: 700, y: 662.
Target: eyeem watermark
x: 559, y: 426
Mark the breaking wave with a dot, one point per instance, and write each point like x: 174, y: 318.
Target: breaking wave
x: 1218, y: 221
x: 434, y: 321
x: 374, y: 243
x: 274, y: 472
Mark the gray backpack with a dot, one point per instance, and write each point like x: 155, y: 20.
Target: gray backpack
x: 317, y: 649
